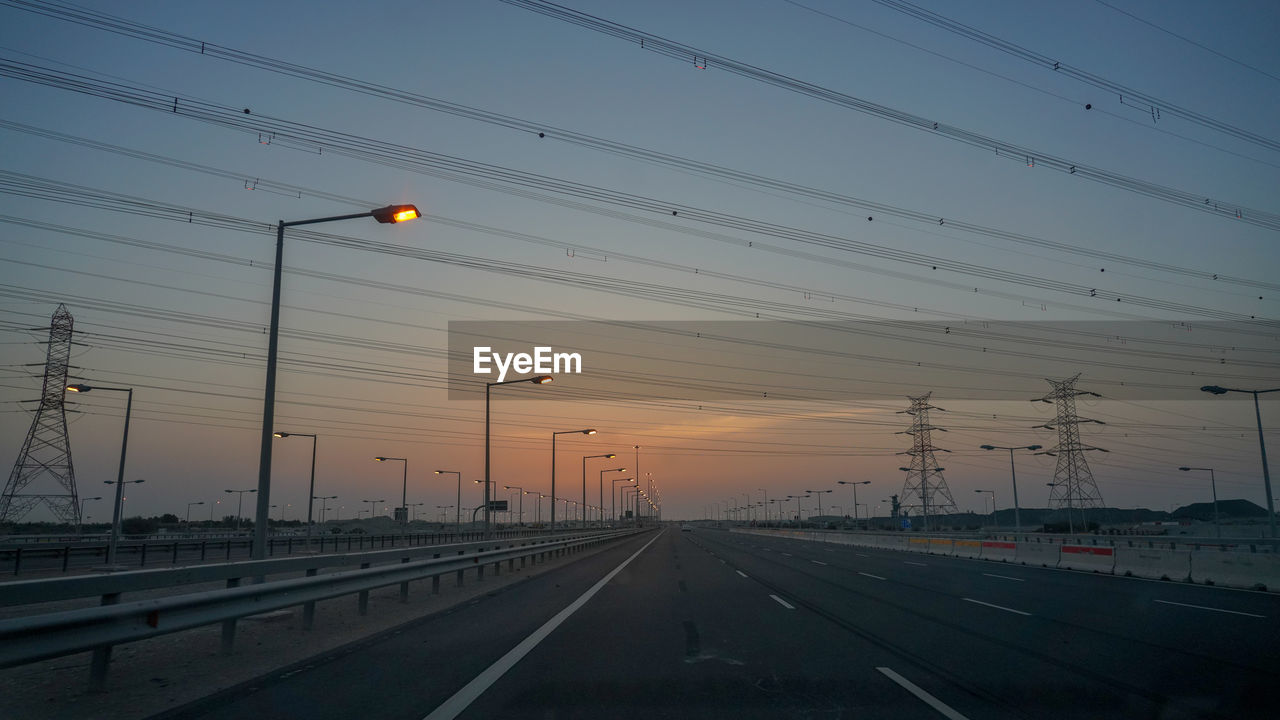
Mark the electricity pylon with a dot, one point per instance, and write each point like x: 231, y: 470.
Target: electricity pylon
x: 1073, y: 485
x: 43, y: 470
x: 924, y: 488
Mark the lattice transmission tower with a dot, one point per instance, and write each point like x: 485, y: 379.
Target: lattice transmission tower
x: 1073, y: 485
x: 43, y: 472
x: 924, y: 489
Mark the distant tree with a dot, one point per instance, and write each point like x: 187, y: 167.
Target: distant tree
x: 139, y: 525
x: 169, y: 519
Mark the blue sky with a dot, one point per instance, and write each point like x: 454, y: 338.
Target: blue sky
x: 371, y: 385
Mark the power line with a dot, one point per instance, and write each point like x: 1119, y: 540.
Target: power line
x: 1157, y: 107
x: 1033, y: 158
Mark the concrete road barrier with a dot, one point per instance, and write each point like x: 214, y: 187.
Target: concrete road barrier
x: 966, y: 548
x: 1257, y: 571
x: 1153, y: 563
x: 1087, y: 557
x: 917, y: 544
x: 1032, y: 553
x: 998, y: 550
x: 939, y: 546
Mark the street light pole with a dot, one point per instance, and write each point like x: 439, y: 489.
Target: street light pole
x: 324, y: 504
x: 602, y: 472
x: 819, y: 494
x: 240, y: 506
x: 1213, y: 484
x: 404, y: 491
x: 124, y: 447
x: 1262, y: 445
x: 372, y: 505
x: 1013, y: 473
x: 536, y: 380
x: 311, y: 491
x: 994, y: 521
x: 613, y: 509
x: 588, y: 431
x: 188, y: 508
x: 388, y: 214
x: 1071, y: 528
x: 457, y: 513
x: 517, y: 487
x: 584, y: 482
x: 80, y: 517
x: 855, y: 484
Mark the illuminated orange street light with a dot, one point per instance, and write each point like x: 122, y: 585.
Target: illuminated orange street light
x: 388, y: 214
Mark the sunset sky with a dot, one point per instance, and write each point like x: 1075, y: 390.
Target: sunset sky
x: 140, y: 184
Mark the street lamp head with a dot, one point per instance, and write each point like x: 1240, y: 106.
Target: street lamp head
x: 589, y: 431
x: 1215, y: 389
x: 1034, y: 447
x: 541, y: 379
x: 78, y: 387
x: 611, y: 456
x: 1184, y: 469
x: 281, y: 434
x: 380, y: 459
x: 987, y: 447
x: 395, y: 213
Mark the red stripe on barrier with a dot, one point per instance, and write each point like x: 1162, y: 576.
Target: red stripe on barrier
x: 1005, y: 545
x: 1087, y: 550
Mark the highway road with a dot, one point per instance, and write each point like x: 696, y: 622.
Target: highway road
x: 709, y: 624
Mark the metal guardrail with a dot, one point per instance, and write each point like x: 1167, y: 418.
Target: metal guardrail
x: 167, y: 550
x: 39, y: 637
x: 21, y: 592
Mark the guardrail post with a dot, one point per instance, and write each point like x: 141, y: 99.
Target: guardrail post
x: 459, y: 582
x: 17, y: 560
x: 309, y: 609
x: 228, y: 549
x: 364, y: 595
x: 435, y: 579
x: 66, y: 557
x: 404, y: 586
x: 204, y: 547
x: 175, y: 553
x: 101, y: 655
x: 142, y: 562
x: 229, y: 626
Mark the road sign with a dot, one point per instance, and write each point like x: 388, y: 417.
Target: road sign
x: 906, y: 523
x: 497, y: 506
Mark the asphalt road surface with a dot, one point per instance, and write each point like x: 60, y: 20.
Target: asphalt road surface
x: 709, y: 624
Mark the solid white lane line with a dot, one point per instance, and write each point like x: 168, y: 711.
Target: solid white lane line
x: 1205, y: 607
x: 740, y: 573
x: 998, y: 607
x: 946, y: 710
x: 1004, y: 577
x: 908, y: 562
x: 817, y: 562
x: 783, y: 603
x: 454, y: 706
x: 871, y: 576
